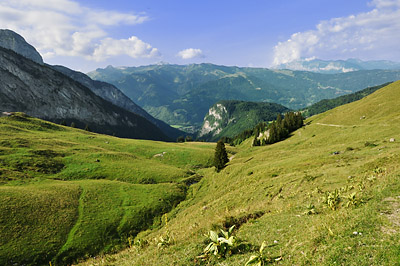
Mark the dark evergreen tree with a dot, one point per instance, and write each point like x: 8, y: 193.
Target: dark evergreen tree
x: 63, y: 123
x: 273, y: 133
x: 87, y: 128
x: 299, y: 120
x: 220, y: 156
x: 256, y: 141
x: 180, y: 139
x: 72, y: 124
x: 279, y: 120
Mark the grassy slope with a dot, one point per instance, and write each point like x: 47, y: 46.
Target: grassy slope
x: 328, y: 104
x: 280, y: 180
x: 67, y: 193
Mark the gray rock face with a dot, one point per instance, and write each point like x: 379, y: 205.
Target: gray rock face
x: 43, y: 92
x: 229, y: 118
x: 13, y: 41
x: 114, y: 95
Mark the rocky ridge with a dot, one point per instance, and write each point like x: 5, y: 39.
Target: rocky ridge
x: 14, y: 41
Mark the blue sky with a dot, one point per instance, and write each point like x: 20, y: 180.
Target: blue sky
x: 85, y: 35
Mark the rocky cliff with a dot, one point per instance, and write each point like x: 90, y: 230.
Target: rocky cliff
x: 14, y: 41
x: 43, y: 92
x: 229, y: 118
x: 114, y: 95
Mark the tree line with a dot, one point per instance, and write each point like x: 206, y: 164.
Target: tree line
x: 279, y: 129
x: 268, y: 133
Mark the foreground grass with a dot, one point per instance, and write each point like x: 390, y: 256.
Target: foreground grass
x: 268, y: 192
x: 69, y: 194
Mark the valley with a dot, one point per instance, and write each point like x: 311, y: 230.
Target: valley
x: 182, y: 95
x: 84, y: 195
x: 120, y: 166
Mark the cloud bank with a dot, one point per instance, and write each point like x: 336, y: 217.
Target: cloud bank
x: 191, y: 53
x: 66, y: 28
x: 370, y: 35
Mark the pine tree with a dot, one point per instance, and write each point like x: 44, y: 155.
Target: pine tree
x: 87, y: 128
x: 273, y: 133
x: 299, y: 120
x: 220, y: 156
x: 72, y: 124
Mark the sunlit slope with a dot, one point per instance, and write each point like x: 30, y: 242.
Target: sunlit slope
x: 268, y: 191
x: 67, y: 194
x: 31, y: 148
x: 381, y: 107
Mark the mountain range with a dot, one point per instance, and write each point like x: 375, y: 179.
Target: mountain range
x: 142, y: 102
x: 337, y: 66
x: 182, y: 95
x: 58, y: 94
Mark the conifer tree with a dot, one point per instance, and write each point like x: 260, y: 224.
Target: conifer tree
x: 256, y: 141
x: 299, y: 120
x: 72, y: 124
x: 220, y: 156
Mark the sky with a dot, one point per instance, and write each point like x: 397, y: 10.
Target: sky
x: 90, y: 34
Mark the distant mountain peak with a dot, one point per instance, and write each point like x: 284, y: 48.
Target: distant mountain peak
x: 337, y: 66
x: 15, y: 42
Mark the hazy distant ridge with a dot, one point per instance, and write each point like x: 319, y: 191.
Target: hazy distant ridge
x: 337, y: 66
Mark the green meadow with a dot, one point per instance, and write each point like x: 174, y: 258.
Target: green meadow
x: 69, y: 194
x: 328, y: 195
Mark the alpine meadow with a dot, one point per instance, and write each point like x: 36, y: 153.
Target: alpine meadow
x: 157, y: 133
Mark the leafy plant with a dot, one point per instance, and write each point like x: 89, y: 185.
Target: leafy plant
x: 332, y: 199
x: 353, y: 200
x: 138, y: 244
x: 260, y: 259
x: 379, y: 171
x: 164, y: 240
x: 310, y: 209
x: 220, y: 245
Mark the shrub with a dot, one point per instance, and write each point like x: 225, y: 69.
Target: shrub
x: 221, y: 244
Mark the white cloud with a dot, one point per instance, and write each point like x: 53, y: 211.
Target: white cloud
x: 133, y: 47
x: 371, y: 35
x: 66, y: 28
x: 191, y: 53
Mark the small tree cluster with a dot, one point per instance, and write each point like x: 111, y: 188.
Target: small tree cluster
x: 280, y: 128
x: 184, y: 139
x: 220, y: 156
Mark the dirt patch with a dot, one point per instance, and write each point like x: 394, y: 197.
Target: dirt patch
x: 393, y: 216
x: 238, y: 221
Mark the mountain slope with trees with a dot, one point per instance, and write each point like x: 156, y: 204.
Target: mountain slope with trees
x: 115, y: 96
x: 328, y: 104
x: 181, y: 95
x: 229, y: 118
